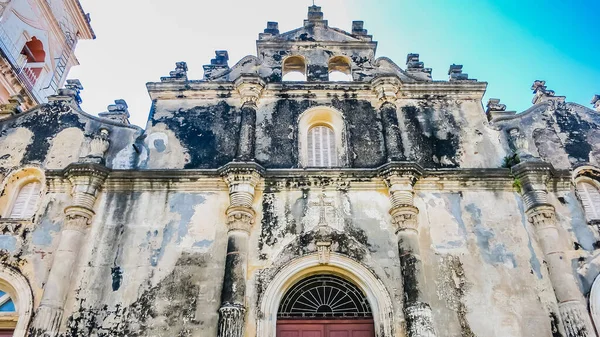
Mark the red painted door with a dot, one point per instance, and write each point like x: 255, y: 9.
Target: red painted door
x: 322, y: 328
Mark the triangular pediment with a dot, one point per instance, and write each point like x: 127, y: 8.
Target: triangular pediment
x: 317, y: 34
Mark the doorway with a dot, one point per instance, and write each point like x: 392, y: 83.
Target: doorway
x: 325, y: 305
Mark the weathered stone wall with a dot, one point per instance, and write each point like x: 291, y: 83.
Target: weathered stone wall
x: 193, y: 218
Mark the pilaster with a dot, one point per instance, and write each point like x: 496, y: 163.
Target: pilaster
x: 542, y: 215
x: 386, y: 89
x: 242, y: 178
x: 250, y: 89
x: 400, y: 179
x: 86, y: 181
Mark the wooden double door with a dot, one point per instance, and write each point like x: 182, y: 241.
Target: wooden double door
x: 325, y: 328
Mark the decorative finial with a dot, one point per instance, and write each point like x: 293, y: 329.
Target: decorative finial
x: 117, y: 112
x: 72, y: 88
x: 596, y: 102
x: 541, y: 92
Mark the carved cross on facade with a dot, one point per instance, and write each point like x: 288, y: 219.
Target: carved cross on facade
x: 323, y: 232
x: 322, y: 204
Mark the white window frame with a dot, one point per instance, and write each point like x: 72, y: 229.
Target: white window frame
x: 321, y: 145
x: 31, y: 201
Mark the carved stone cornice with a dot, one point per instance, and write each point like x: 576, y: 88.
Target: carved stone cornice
x: 250, y: 89
x: 240, y: 218
x: 386, y: 88
x: 86, y: 181
x: 400, y: 173
x: 537, y: 173
x: 235, y: 173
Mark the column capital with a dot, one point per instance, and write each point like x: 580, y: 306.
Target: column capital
x: 401, y: 173
x: 405, y: 218
x: 236, y: 173
x: 542, y: 216
x: 250, y: 89
x: 89, y: 176
x: 386, y: 88
x: 240, y: 218
x: 535, y: 172
x: 533, y: 178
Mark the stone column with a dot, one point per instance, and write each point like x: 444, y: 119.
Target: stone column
x: 242, y: 179
x: 387, y: 89
x: 400, y: 178
x: 86, y: 180
x: 541, y: 214
x: 249, y: 88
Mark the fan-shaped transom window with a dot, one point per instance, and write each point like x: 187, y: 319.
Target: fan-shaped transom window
x: 324, y: 296
x: 321, y: 147
x: 26, y: 201
x: 590, y: 199
x: 6, y: 303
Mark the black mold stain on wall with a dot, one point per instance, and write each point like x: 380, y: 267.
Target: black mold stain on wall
x: 44, y: 126
x: 282, y: 128
x: 576, y: 145
x: 210, y: 133
x: 424, y: 146
x: 176, y: 314
x: 317, y: 72
x: 365, y: 132
x: 268, y: 223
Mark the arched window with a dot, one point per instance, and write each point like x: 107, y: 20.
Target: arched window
x: 25, y: 203
x: 294, y: 69
x: 321, y: 147
x: 35, y: 56
x: 16, y: 303
x: 8, y: 314
x: 590, y: 199
x: 321, y: 138
x: 324, y: 296
x: 340, y: 69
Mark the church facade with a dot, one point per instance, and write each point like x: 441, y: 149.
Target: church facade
x: 311, y: 190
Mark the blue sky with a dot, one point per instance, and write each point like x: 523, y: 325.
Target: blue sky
x: 508, y: 44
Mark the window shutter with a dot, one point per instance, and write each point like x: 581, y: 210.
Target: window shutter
x: 311, y: 148
x: 26, y: 201
x: 321, y: 147
x: 590, y: 200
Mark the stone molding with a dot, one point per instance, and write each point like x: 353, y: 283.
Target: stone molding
x: 420, y: 320
x: 240, y: 219
x: 542, y: 216
x: 17, y: 286
x: 236, y: 173
x: 321, y: 90
x: 386, y: 88
x: 86, y: 181
x: 575, y: 318
x: 297, y: 269
x: 231, y: 323
x: 401, y: 173
x: 250, y: 89
x: 405, y: 218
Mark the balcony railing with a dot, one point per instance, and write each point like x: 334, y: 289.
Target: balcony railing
x: 18, y: 62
